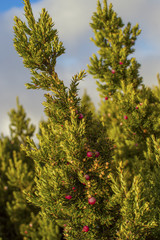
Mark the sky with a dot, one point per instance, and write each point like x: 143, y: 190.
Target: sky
x: 71, y: 18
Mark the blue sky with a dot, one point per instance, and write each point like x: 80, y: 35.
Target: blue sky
x: 8, y: 4
x: 71, y: 18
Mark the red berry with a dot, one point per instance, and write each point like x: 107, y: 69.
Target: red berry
x: 68, y: 197
x: 74, y: 189
x: 92, y: 200
x: 125, y: 117
x: 65, y: 225
x: 136, y: 107
x: 97, y: 154
x: 113, y: 71
x: 106, y: 98
x: 89, y: 154
x: 87, y: 177
x: 80, y: 116
x: 85, y: 229
x: 25, y: 232
x: 120, y: 63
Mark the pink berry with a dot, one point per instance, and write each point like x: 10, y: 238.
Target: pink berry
x: 120, y: 63
x: 97, y: 154
x: 125, y: 117
x: 92, y: 200
x: 113, y: 71
x: 80, y: 116
x: 68, y: 197
x: 141, y: 104
x: 89, y: 154
x: 85, y: 229
x: 74, y: 189
x: 25, y: 232
x: 136, y: 107
x: 106, y: 98
x: 134, y: 133
x: 87, y: 177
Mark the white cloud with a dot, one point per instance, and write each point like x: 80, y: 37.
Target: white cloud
x: 143, y: 12
x: 72, y: 18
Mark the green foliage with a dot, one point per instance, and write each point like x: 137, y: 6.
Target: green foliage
x: 124, y: 177
x: 115, y: 43
x: 63, y: 151
x: 136, y: 221
x: 19, y: 126
x: 142, y: 109
x: 156, y: 89
x: 87, y: 104
x: 38, y: 45
x: 61, y: 160
x: 131, y: 117
x: 18, y: 219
